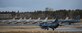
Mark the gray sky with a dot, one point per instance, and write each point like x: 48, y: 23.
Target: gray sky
x: 30, y: 5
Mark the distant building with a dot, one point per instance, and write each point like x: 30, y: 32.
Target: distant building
x: 48, y: 9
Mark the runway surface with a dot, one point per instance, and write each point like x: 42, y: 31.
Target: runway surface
x: 61, y: 29
x: 70, y: 28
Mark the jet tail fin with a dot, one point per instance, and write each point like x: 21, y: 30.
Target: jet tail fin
x: 13, y: 19
x: 46, y: 19
x: 38, y: 19
x: 29, y: 19
x: 56, y: 21
x: 20, y: 19
x: 67, y: 18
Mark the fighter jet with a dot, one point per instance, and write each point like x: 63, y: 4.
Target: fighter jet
x: 70, y: 21
x: 45, y: 20
x: 37, y: 20
x: 52, y: 25
x: 22, y: 20
x: 56, y: 23
x: 28, y: 20
x: 9, y: 21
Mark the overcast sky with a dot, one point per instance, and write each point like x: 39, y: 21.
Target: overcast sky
x: 30, y: 5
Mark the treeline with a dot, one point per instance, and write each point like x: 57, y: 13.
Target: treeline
x: 48, y: 13
x: 60, y: 13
